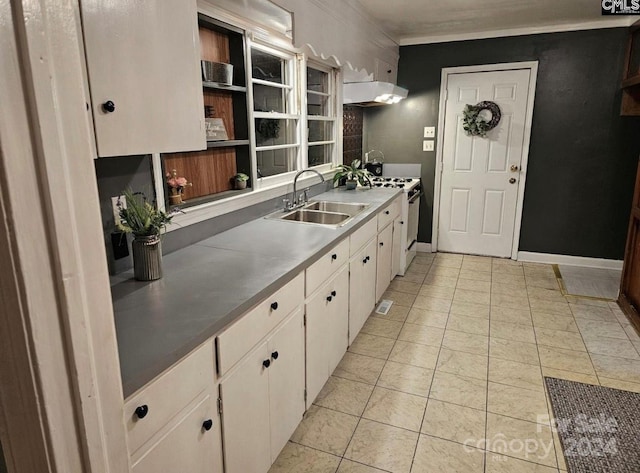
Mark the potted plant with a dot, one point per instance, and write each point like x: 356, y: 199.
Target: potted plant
x: 146, y: 223
x: 176, y: 187
x: 353, y: 175
x: 240, y: 180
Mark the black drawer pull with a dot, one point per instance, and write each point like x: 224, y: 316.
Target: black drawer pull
x: 382, y: 243
x: 368, y: 258
x: 329, y: 298
x: 365, y: 260
x: 108, y: 107
x: 142, y: 411
x: 275, y: 355
x: 333, y: 293
x: 386, y: 212
x: 334, y: 257
x: 207, y: 424
x: 266, y: 363
x: 274, y: 306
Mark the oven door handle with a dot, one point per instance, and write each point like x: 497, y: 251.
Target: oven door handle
x: 415, y: 197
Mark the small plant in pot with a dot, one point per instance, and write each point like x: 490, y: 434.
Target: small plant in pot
x: 146, y: 223
x: 240, y: 180
x: 353, y: 175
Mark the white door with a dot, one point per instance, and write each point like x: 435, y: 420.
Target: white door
x: 362, y: 287
x: 480, y: 176
x: 385, y: 254
x: 397, y: 247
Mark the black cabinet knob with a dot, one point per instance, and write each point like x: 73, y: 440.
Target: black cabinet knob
x: 382, y: 243
x: 274, y: 306
x: 108, y: 106
x: 329, y: 298
x: 333, y: 293
x: 207, y: 424
x: 334, y: 256
x: 266, y: 363
x: 368, y: 258
x: 401, y: 222
x: 275, y: 355
x: 386, y: 212
x: 142, y: 411
x: 365, y: 261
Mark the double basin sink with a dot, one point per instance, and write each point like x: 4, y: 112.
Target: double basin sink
x: 325, y: 213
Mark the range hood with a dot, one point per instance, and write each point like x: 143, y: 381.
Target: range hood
x: 368, y: 94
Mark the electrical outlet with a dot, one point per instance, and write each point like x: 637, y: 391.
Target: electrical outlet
x: 427, y: 145
x: 117, y: 203
x: 429, y: 131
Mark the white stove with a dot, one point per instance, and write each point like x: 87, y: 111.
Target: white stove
x: 407, y: 178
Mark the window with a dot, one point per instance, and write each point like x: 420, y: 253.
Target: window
x: 276, y: 114
x: 321, y: 115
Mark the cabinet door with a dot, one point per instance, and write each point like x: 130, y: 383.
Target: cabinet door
x: 286, y: 381
x: 385, y: 252
x: 144, y: 58
x: 187, y: 446
x: 397, y: 247
x: 245, y: 415
x: 326, y: 332
x: 362, y: 287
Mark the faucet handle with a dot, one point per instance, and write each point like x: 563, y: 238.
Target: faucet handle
x: 305, y: 194
x: 287, y: 204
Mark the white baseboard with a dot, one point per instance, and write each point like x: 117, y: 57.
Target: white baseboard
x: 423, y: 247
x: 569, y: 260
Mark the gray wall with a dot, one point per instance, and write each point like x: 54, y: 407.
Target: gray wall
x: 583, y: 155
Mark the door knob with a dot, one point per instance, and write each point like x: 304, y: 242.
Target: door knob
x: 512, y: 180
x: 266, y: 363
x: 108, y: 106
x: 142, y: 411
x: 514, y: 168
x: 207, y: 424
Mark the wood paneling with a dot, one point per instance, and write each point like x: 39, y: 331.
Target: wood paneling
x: 210, y: 171
x: 222, y: 103
x: 214, y: 46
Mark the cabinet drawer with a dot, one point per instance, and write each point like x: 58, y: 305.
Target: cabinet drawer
x: 242, y: 336
x: 389, y: 213
x: 150, y: 409
x: 322, y: 269
x: 362, y: 236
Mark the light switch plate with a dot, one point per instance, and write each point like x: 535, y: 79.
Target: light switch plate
x: 429, y: 131
x: 427, y: 145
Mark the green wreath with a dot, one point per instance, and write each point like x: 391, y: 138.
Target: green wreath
x: 474, y: 124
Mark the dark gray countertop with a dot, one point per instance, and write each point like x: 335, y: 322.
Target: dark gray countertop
x: 208, y: 285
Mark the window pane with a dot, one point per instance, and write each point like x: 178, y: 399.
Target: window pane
x: 317, y: 105
x: 272, y: 132
x: 320, y: 154
x: 320, y: 130
x: 267, y: 67
x: 268, y: 99
x: 317, y: 81
x: 276, y: 161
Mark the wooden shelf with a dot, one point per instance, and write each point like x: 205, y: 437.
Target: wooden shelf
x: 226, y: 143
x: 219, y: 86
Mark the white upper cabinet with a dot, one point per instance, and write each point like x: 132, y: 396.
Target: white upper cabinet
x: 143, y: 62
x: 385, y: 71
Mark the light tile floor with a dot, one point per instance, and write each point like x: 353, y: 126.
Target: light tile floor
x: 460, y: 358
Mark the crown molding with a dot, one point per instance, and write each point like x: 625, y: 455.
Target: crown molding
x: 590, y: 25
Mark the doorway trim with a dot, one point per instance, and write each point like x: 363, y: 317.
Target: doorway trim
x: 444, y: 82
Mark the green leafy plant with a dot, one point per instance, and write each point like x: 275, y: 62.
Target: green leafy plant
x: 141, y: 218
x: 240, y: 177
x: 353, y: 173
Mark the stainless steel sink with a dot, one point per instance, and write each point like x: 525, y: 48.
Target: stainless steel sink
x: 339, y: 207
x: 314, y: 216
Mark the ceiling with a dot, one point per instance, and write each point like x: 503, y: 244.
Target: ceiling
x: 424, y: 21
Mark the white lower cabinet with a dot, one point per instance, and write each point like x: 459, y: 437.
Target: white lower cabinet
x: 362, y: 287
x: 397, y: 246
x: 385, y: 257
x: 327, y: 331
x: 173, y: 422
x: 263, y: 399
x: 191, y: 444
